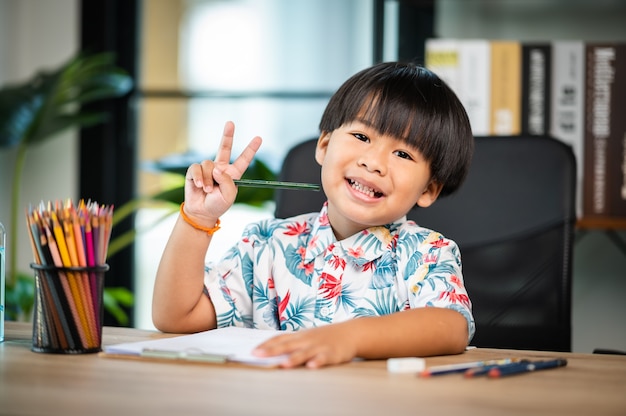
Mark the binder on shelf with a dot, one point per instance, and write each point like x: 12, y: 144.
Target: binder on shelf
x: 604, y: 183
x: 568, y: 102
x: 536, y: 89
x: 506, y: 89
x: 464, y: 64
x: 475, y: 83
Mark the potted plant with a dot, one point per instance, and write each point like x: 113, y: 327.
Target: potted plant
x: 36, y: 111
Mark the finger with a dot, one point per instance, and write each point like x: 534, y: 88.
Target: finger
x: 226, y: 185
x: 195, y: 173
x: 226, y: 144
x: 278, y: 345
x: 208, y: 181
x: 247, y: 155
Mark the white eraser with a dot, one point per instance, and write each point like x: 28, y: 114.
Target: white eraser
x: 406, y: 365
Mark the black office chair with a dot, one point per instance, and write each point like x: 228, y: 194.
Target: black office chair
x: 513, y: 220
x: 299, y: 166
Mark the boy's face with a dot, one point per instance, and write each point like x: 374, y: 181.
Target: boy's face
x: 371, y: 179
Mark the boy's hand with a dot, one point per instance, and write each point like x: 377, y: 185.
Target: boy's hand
x: 209, y: 187
x: 314, y: 348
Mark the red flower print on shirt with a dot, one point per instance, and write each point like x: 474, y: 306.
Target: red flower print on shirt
x: 430, y: 258
x: 439, y: 243
x: 330, y: 287
x: 369, y: 265
x: 338, y: 262
x: 297, y: 228
x: 454, y: 297
x: 308, y: 267
x: 454, y: 279
x: 324, y: 220
x: 356, y: 253
x: 282, y: 305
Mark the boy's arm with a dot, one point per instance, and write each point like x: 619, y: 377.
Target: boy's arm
x: 178, y: 302
x: 415, y: 332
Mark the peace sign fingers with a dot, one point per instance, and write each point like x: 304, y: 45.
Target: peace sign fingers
x: 222, y: 159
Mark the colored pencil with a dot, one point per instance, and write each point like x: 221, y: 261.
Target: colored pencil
x: 73, y: 239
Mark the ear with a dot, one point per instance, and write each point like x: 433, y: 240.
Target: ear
x: 322, y: 147
x: 430, y: 194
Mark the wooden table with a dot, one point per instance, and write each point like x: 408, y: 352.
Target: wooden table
x: 48, y: 384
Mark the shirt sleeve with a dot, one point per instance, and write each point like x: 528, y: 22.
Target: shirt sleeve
x: 229, y: 283
x: 434, y: 277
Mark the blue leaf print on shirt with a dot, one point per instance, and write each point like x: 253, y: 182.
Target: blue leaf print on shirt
x: 412, y: 264
x: 261, y: 296
x: 362, y: 312
x: 324, y: 304
x: 440, y: 271
x: 293, y: 261
x: 385, y: 271
x: 298, y: 313
x: 247, y: 272
x: 386, y: 302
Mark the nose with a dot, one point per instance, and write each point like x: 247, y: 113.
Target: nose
x: 374, y: 159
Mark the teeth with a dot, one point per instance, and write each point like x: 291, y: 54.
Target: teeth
x: 363, y: 189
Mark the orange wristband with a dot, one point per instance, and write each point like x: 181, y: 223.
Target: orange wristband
x: 209, y: 231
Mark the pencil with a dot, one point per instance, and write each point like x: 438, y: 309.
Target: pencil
x: 69, y: 301
x: 50, y: 317
x: 256, y: 183
x: 75, y: 328
x: 54, y: 284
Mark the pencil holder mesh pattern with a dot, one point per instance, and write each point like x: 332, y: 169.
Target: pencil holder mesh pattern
x: 68, y: 309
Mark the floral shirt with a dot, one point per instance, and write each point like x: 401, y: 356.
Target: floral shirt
x: 292, y: 273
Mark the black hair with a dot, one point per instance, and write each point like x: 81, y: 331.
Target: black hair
x: 414, y: 105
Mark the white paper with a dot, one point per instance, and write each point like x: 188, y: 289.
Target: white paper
x: 234, y: 343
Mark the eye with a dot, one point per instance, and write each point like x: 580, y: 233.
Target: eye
x: 403, y: 155
x: 361, y: 137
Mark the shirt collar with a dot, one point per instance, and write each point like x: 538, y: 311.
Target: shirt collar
x: 360, y: 248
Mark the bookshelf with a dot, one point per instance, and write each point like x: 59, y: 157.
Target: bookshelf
x: 600, y: 243
x: 540, y: 23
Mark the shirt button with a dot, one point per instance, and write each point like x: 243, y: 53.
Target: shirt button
x: 325, y: 311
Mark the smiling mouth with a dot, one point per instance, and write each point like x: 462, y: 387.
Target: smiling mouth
x: 372, y: 193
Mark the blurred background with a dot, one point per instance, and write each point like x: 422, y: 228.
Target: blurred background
x: 270, y: 66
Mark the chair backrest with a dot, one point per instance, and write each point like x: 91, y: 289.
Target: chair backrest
x: 513, y: 220
x: 299, y: 166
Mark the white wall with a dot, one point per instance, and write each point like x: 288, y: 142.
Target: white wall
x: 35, y: 35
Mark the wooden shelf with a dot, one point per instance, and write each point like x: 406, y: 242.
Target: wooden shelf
x: 601, y: 223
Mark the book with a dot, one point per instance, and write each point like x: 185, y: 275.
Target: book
x: 536, y: 90
x: 222, y: 345
x: 567, y: 107
x: 475, y: 83
x: 464, y: 64
x: 442, y: 58
x: 506, y: 88
x: 604, y: 183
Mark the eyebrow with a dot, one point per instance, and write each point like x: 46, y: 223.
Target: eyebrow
x: 367, y: 123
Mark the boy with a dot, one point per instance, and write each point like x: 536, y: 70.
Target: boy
x: 356, y: 279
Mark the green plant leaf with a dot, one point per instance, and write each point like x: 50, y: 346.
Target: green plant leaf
x: 116, y: 297
x: 20, y: 298
x: 47, y: 104
x: 51, y: 101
